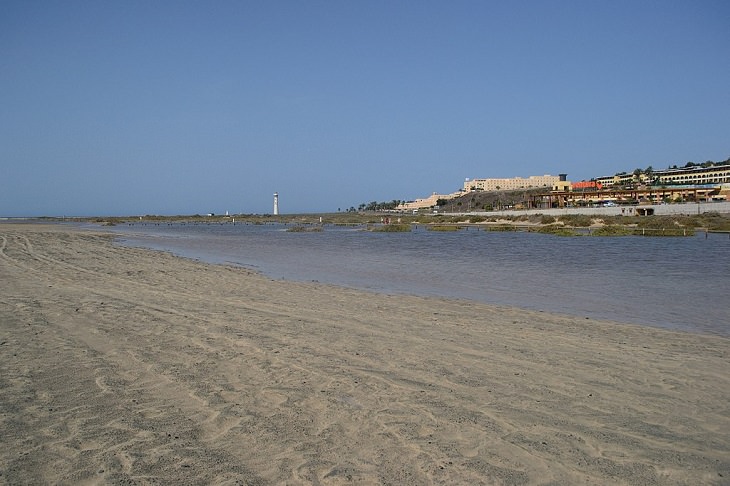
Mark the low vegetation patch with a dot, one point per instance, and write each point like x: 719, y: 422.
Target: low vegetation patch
x: 676, y: 231
x: 443, y: 227
x: 391, y: 228
x: 502, y: 227
x: 304, y: 229
x: 612, y: 230
x: 578, y: 220
x: 710, y: 221
x: 660, y: 222
x: 555, y: 229
x: 545, y: 219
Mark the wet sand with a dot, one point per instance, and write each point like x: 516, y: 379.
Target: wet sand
x: 128, y: 366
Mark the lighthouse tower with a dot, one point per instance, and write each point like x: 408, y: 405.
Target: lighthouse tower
x: 276, y: 203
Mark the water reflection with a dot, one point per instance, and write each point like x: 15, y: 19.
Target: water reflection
x: 678, y: 283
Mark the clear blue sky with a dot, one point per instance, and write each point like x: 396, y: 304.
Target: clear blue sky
x: 180, y: 107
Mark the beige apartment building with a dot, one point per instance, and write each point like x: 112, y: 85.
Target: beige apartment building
x: 427, y: 202
x: 547, y: 181
x: 617, y: 180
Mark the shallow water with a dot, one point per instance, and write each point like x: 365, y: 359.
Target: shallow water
x: 675, y: 283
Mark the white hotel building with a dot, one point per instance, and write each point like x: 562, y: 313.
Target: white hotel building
x: 718, y: 174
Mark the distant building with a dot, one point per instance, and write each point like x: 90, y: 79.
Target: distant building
x: 717, y: 174
x: 586, y: 186
x: 694, y: 183
x: 515, y: 183
x: 622, y: 179
x: 427, y: 202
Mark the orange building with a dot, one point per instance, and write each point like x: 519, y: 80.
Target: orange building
x: 586, y: 186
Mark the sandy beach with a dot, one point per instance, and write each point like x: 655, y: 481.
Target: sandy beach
x: 128, y: 366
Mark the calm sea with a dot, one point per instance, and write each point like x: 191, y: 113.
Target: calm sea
x: 675, y: 283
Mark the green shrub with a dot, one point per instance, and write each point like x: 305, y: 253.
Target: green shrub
x: 612, y: 230
x: 545, y: 219
x: 442, y: 227
x: 578, y: 220
x: 304, y: 229
x: 391, y: 228
x: 555, y: 229
x: 712, y: 221
x: 502, y: 227
x: 658, y: 222
x: 675, y: 231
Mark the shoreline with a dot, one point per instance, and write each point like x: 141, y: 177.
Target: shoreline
x: 123, y: 364
x: 669, y: 314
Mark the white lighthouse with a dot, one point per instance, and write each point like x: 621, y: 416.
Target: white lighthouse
x: 276, y: 203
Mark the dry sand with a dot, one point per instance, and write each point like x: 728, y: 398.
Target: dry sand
x: 127, y: 366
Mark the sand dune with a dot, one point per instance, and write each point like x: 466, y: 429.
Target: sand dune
x: 129, y: 366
